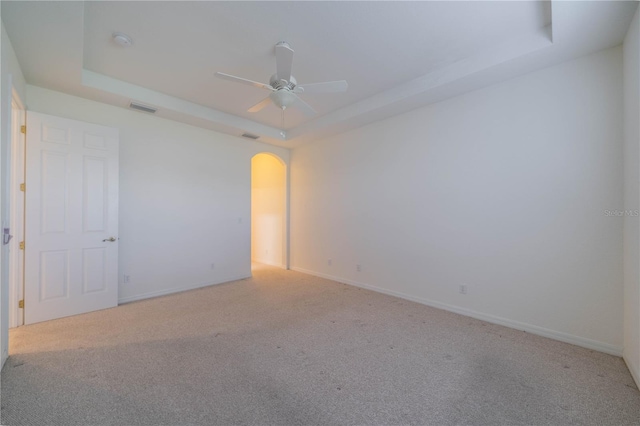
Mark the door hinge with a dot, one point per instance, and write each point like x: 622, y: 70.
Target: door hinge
x: 21, y: 245
x: 23, y: 187
x: 21, y: 304
x: 23, y: 129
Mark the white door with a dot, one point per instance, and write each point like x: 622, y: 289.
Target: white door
x: 71, y: 217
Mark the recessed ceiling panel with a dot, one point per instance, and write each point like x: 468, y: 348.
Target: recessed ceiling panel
x: 178, y: 46
x: 395, y: 55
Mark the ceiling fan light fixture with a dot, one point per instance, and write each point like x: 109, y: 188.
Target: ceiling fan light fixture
x: 283, y: 98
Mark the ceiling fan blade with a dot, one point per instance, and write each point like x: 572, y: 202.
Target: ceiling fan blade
x: 326, y: 87
x: 304, y: 107
x: 257, y: 107
x: 244, y: 81
x: 284, y: 61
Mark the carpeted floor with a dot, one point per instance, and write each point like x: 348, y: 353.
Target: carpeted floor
x: 287, y: 348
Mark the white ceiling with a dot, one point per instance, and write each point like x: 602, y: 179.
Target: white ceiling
x: 395, y: 55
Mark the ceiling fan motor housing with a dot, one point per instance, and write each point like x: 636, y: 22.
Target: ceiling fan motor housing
x: 282, y: 84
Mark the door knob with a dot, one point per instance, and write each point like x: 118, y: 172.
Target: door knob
x: 111, y: 239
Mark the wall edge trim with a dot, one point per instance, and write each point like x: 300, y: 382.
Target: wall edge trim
x: 529, y: 328
x: 632, y: 369
x: 179, y: 289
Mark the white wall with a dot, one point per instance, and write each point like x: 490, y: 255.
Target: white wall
x: 631, y: 82
x: 185, y: 196
x: 268, y: 210
x: 11, y: 78
x: 503, y: 190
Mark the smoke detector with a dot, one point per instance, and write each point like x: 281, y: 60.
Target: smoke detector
x: 122, y: 39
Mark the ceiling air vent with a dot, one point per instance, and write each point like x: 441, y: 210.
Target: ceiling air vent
x: 143, y: 108
x: 250, y: 136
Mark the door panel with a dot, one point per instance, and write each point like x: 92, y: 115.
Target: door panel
x: 54, y: 274
x: 94, y: 269
x: 54, y: 192
x: 71, y: 212
x: 95, y: 182
x: 54, y: 134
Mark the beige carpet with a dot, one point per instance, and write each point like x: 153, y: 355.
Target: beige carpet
x: 286, y: 348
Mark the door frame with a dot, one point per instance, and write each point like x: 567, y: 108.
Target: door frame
x: 285, y: 226
x: 18, y: 173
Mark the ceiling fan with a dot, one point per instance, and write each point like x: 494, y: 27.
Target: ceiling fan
x: 284, y: 87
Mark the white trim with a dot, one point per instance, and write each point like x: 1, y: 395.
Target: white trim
x: 475, y: 64
x: 179, y: 289
x: 632, y: 369
x: 160, y: 100
x: 17, y: 176
x: 287, y: 204
x: 529, y: 328
x: 266, y: 262
x: 15, y: 97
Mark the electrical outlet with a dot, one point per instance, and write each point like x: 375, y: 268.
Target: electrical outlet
x: 239, y: 220
x: 358, y: 268
x: 213, y: 266
x: 329, y: 262
x: 463, y: 289
x: 125, y: 279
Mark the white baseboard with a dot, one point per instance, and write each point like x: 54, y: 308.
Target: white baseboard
x: 178, y: 289
x: 529, y: 328
x: 266, y: 262
x: 633, y: 368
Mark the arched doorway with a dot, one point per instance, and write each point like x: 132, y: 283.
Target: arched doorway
x: 268, y: 210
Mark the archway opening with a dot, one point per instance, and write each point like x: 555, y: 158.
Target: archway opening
x: 268, y: 211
